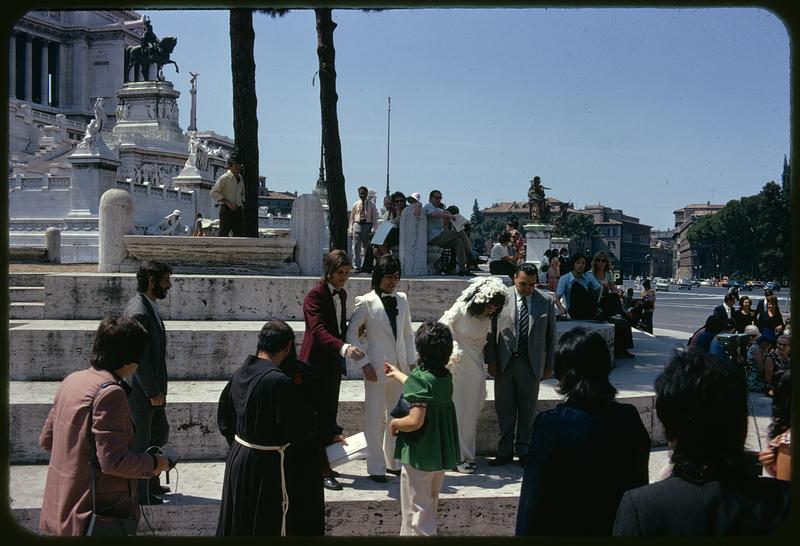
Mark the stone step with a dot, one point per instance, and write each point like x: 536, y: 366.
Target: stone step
x: 26, y: 294
x: 480, y: 504
x: 192, y: 414
x: 219, y: 297
x: 26, y: 279
x: 26, y: 310
x: 195, y: 349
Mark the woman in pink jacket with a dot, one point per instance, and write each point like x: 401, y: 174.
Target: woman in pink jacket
x: 67, y: 502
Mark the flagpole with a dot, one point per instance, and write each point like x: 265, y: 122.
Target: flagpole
x: 388, y: 133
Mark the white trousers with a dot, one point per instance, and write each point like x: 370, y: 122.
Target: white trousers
x: 419, y: 500
x: 469, y: 394
x: 379, y: 400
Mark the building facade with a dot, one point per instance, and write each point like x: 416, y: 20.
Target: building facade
x: 694, y: 261
x: 626, y: 240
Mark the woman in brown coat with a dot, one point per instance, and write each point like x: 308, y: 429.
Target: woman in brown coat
x: 67, y: 502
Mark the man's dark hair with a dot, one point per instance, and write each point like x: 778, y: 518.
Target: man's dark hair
x: 452, y: 209
x: 385, y: 265
x: 434, y: 344
x: 701, y: 400
x: 275, y: 335
x: 430, y: 195
x: 527, y: 268
x: 768, y: 292
x: 730, y: 297
x: 397, y: 196
x: 563, y: 251
x: 646, y: 284
x: 582, y: 365
x: 117, y: 342
x: 363, y: 188
x: 334, y: 260
x: 151, y: 268
x: 504, y: 238
x: 574, y: 259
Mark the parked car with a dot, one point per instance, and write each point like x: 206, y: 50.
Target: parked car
x: 662, y: 284
x: 756, y: 284
x: 696, y: 283
x: 738, y: 284
x: 772, y: 285
x: 684, y: 284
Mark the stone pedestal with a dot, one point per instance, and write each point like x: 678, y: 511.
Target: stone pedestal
x: 537, y: 241
x: 198, y: 181
x: 148, y: 109
x: 308, y: 230
x: 52, y: 242
x: 116, y: 221
x: 559, y: 242
x: 413, y: 243
x: 93, y: 173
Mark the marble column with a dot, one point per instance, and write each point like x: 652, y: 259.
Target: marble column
x: 63, y: 96
x: 28, y: 96
x: 115, y: 221
x: 12, y: 66
x: 44, y: 84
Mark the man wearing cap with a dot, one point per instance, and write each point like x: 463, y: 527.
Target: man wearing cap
x: 228, y: 192
x: 455, y: 240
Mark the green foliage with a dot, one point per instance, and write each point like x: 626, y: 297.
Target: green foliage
x: 750, y: 236
x: 477, y: 216
x: 580, y: 228
x: 488, y: 229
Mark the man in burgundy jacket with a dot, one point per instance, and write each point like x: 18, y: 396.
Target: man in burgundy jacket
x: 325, y: 349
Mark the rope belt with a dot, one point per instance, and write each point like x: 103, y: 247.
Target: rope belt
x: 280, y: 450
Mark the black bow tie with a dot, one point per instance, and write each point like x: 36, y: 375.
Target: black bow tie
x: 336, y: 291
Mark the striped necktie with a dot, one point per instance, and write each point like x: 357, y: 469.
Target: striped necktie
x: 522, y: 335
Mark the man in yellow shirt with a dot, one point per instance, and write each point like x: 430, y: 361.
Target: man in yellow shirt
x: 228, y: 192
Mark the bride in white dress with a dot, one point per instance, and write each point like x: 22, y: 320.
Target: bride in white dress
x: 470, y: 320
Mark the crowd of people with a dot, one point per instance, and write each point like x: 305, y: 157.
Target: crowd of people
x: 424, y: 390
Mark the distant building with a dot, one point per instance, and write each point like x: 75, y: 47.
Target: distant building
x: 507, y: 209
x: 694, y: 261
x: 625, y: 239
x: 662, y: 259
x: 276, y: 202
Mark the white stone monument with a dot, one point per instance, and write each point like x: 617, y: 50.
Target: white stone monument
x: 537, y: 241
x: 308, y: 229
x: 116, y: 221
x: 413, y: 242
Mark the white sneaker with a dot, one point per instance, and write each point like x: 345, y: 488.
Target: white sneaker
x: 465, y: 467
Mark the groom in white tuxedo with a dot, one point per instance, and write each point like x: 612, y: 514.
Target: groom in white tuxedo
x: 381, y: 327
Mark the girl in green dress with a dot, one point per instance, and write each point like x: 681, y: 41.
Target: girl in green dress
x: 427, y: 438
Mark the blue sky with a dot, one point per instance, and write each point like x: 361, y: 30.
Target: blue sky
x: 646, y: 110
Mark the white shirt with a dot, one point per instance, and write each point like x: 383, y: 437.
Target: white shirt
x: 498, y: 252
x: 337, y: 304
x: 728, y: 310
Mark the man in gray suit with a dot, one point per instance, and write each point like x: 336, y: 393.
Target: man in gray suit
x: 147, y: 398
x: 520, y: 352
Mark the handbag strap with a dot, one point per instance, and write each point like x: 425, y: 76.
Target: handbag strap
x: 93, y: 462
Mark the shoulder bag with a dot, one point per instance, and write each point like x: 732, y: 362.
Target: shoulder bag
x: 101, y: 525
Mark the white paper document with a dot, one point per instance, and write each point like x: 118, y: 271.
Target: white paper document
x: 356, y: 449
x: 381, y: 232
x: 458, y: 222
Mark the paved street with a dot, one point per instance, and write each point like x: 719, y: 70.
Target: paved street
x: 686, y: 310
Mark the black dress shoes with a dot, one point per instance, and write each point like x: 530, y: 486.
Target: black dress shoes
x: 161, y: 490
x: 500, y: 460
x: 378, y: 478
x: 393, y: 472
x: 151, y: 500
x: 329, y: 482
